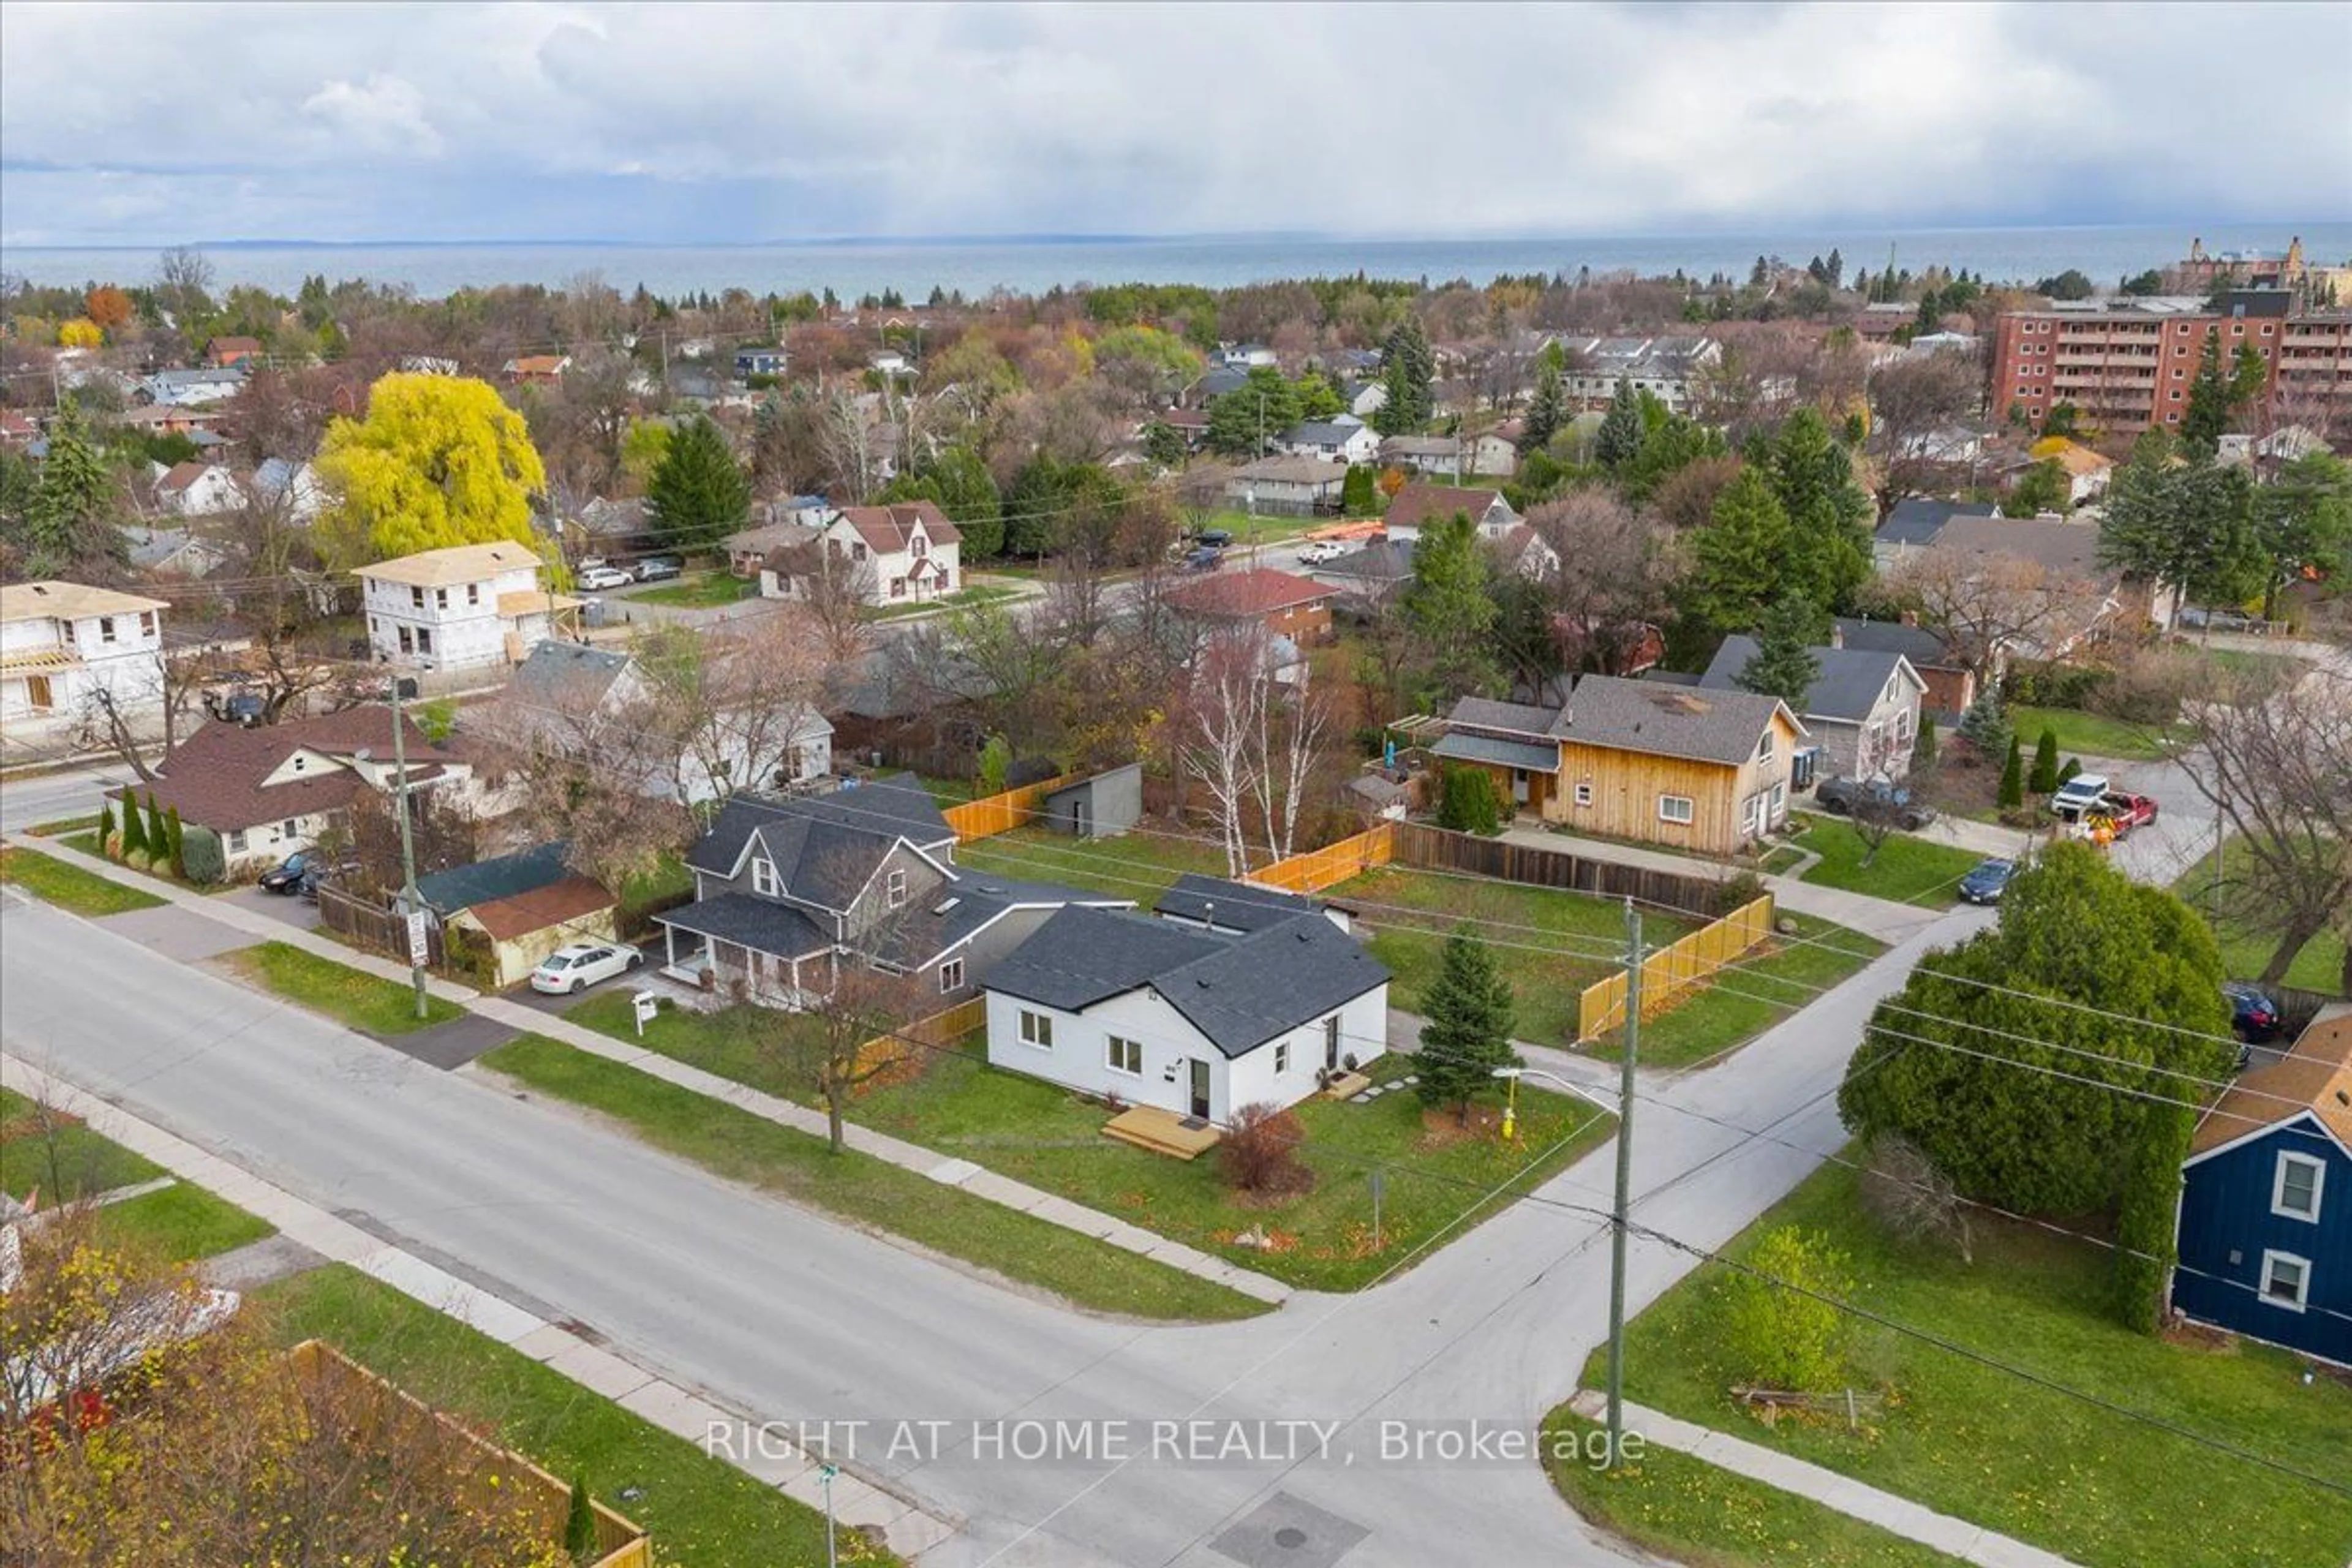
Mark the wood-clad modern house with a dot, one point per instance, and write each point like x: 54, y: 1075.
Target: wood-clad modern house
x: 1705, y: 771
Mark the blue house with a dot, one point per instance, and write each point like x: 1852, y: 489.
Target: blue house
x: 2265, y: 1234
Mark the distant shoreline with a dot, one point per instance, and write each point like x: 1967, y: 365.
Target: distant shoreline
x: 975, y: 266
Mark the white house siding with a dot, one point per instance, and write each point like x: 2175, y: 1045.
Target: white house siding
x: 129, y: 666
x: 1080, y: 1058
x: 253, y: 850
x: 461, y: 622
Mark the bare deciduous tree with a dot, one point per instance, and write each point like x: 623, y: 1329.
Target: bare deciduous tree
x: 1228, y: 692
x: 2273, y: 756
x: 1610, y: 583
x: 1911, y: 1197
x: 1912, y: 401
x: 1987, y: 605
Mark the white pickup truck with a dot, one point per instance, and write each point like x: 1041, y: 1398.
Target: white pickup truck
x: 2078, y: 795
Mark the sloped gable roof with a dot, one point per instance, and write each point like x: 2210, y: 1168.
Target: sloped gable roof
x: 888, y: 528
x: 1847, y: 687
x: 2314, y: 1078
x: 1228, y: 903
x: 1416, y: 505
x: 1668, y: 721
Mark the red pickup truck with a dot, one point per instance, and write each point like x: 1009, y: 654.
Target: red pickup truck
x: 2121, y: 811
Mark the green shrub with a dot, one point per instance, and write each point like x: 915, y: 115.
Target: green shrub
x: 1777, y: 1326
x: 1468, y: 804
x: 105, y: 824
x: 201, y: 858
x: 2012, y: 777
x: 134, y: 831
x: 2043, y: 779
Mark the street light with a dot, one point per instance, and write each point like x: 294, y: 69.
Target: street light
x: 1511, y: 1101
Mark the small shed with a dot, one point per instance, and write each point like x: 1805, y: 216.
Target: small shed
x: 1100, y: 806
x: 521, y: 930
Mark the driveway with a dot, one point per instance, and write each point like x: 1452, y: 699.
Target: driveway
x: 285, y: 909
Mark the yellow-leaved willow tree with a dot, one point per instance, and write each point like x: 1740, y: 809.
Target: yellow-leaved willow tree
x: 439, y: 460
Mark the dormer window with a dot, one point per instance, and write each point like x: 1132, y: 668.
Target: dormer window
x: 763, y: 878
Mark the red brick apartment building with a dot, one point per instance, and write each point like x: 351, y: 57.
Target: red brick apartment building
x: 2127, y: 364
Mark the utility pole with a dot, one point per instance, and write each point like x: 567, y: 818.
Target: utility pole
x: 408, y: 899
x: 1624, y: 1185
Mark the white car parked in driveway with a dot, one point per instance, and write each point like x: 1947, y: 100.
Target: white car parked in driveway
x: 1320, y: 550
x: 578, y: 966
x: 596, y: 577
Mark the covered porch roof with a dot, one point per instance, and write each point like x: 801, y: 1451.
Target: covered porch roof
x: 753, y: 922
x: 1495, y: 752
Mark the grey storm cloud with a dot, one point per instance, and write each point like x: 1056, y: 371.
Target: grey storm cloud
x: 155, y: 124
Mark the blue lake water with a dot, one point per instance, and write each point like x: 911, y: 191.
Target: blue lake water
x: 1030, y: 266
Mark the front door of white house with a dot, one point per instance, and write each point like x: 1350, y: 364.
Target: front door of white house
x: 1200, y: 1089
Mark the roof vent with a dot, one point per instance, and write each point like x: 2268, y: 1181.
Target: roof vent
x: 990, y: 888
x: 945, y: 905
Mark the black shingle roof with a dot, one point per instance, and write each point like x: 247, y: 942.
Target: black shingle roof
x: 463, y: 886
x: 1238, y: 992
x: 757, y: 923
x: 883, y: 810
x: 1234, y: 905
x: 1847, y: 687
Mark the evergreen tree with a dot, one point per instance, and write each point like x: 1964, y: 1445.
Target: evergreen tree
x: 1468, y: 803
x: 1467, y: 1035
x: 1829, y: 514
x: 69, y: 519
x: 1923, y: 748
x: 2066, y: 775
x: 1447, y: 606
x: 1408, y: 370
x: 1622, y: 430
x: 580, y: 1523
x: 1248, y: 421
x: 1784, y: 664
x: 697, y: 495
x: 2044, y: 778
x: 1836, y: 268
x: 957, y: 482
x: 1547, y: 411
x: 134, y: 831
x: 1984, y: 726
x: 1163, y: 444
x: 159, y: 836
x: 105, y: 823
x: 2209, y: 402
x: 176, y: 835
x: 2013, y: 779
x: 1360, y: 492
x: 1738, y: 555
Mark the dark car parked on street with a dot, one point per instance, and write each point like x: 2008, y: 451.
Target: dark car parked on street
x: 1987, y: 882
x: 1844, y: 795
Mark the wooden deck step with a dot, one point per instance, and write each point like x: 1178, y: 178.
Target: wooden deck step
x: 1161, y: 1132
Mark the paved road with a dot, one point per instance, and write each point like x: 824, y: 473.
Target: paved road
x: 787, y: 1316
x: 34, y: 798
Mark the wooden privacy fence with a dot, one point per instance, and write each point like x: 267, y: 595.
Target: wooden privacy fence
x: 377, y: 927
x: 1320, y: 868
x: 904, y: 1053
x: 997, y: 814
x: 1674, y: 969
x: 359, y: 1398
x: 1440, y: 849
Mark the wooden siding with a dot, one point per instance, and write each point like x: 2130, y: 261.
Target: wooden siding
x: 1626, y: 787
x: 1675, y: 969
x: 2226, y: 1225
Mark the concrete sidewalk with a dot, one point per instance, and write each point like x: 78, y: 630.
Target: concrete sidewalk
x: 670, y: 1406
x: 944, y: 1169
x: 1881, y: 918
x: 1898, y: 1516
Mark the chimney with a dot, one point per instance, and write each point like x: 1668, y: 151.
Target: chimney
x: 1909, y: 617
x: 1837, y: 635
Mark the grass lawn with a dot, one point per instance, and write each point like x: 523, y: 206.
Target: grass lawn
x: 1772, y: 981
x: 660, y: 887
x: 976, y: 594
x: 1410, y: 914
x: 701, y: 1512
x: 1037, y: 1132
x: 180, y: 1221
x: 2086, y: 734
x: 54, y: 881
x: 1907, y: 870
x: 1993, y: 1449
x: 1689, y: 1510
x: 64, y: 824
x: 863, y: 1190
x: 700, y: 592
x: 2245, y: 951
x: 1138, y: 865
x: 357, y: 1000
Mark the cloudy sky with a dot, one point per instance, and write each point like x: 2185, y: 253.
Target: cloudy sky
x: 154, y: 124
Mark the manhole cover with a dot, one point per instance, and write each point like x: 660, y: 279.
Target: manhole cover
x: 1287, y: 1531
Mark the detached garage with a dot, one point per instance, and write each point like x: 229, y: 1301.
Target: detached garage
x: 517, y: 931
